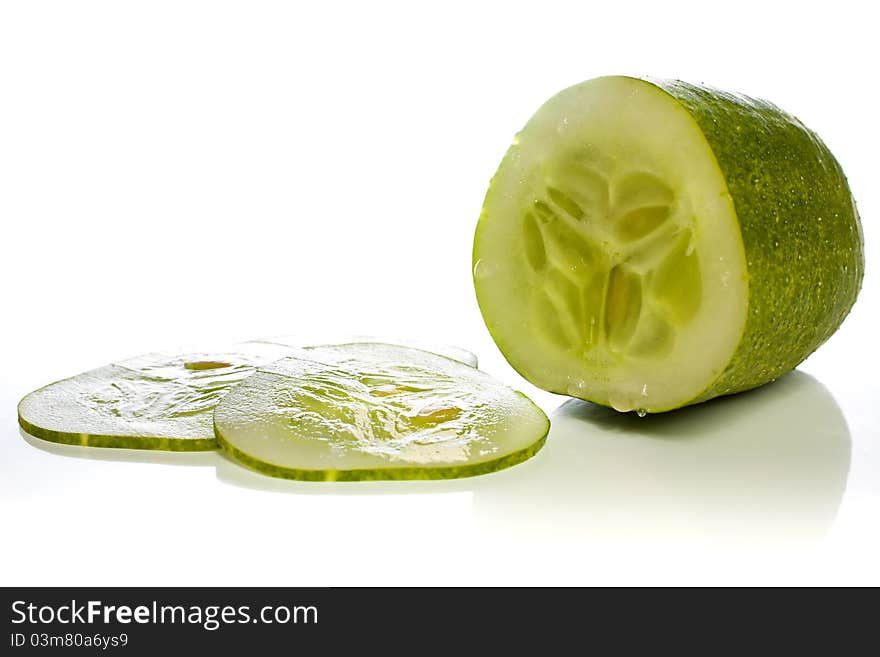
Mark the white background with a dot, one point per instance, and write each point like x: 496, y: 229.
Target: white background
x: 176, y: 173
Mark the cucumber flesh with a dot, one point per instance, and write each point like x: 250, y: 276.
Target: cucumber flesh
x: 376, y: 411
x: 627, y: 250
x: 441, y: 349
x: 154, y: 401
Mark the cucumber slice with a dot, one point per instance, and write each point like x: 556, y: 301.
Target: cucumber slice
x: 448, y: 350
x: 376, y: 411
x: 648, y: 244
x: 155, y: 401
x: 463, y: 356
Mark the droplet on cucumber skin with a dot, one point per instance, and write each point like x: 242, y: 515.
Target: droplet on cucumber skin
x: 620, y: 404
x: 641, y: 412
x: 483, y: 269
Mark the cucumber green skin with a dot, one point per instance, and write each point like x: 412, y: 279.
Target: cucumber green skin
x: 383, y: 474
x: 121, y: 442
x: 804, y: 269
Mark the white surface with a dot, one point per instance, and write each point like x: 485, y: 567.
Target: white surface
x: 175, y: 173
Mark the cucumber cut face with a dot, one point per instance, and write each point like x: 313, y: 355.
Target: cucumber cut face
x: 615, y: 259
x: 376, y: 411
x: 626, y: 251
x: 155, y: 401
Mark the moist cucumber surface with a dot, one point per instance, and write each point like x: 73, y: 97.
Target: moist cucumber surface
x: 375, y: 411
x: 441, y: 349
x: 154, y: 401
x: 650, y: 244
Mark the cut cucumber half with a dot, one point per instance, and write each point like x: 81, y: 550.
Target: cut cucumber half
x: 376, y: 411
x: 155, y: 401
x: 650, y: 244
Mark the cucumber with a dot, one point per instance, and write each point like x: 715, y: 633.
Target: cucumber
x: 376, y: 411
x: 448, y: 350
x: 157, y: 401
x: 649, y: 244
x: 154, y: 401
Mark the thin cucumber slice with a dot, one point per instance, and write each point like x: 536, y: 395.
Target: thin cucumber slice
x: 447, y: 350
x: 649, y: 244
x: 376, y: 411
x: 155, y: 401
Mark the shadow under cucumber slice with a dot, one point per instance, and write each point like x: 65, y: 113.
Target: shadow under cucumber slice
x: 374, y: 411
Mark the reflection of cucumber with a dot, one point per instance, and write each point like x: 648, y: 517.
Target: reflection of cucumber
x: 157, y: 401
x: 651, y: 244
x: 770, y: 464
x: 374, y: 411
